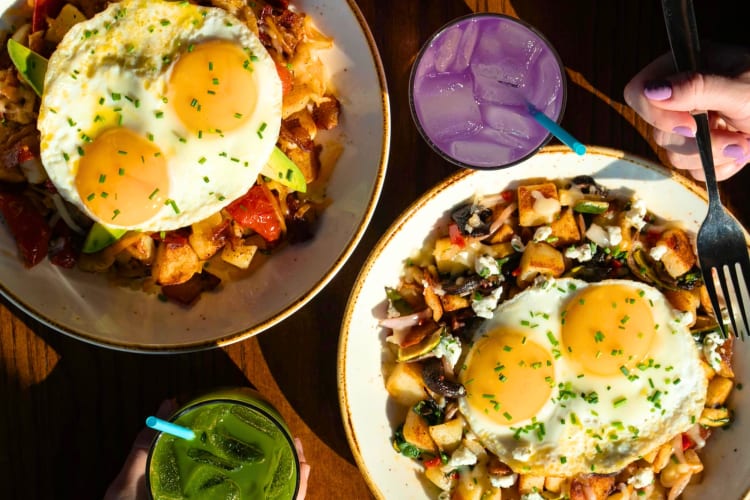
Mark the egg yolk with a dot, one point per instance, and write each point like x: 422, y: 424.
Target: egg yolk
x: 212, y: 87
x: 122, y: 177
x: 508, y: 377
x: 608, y: 329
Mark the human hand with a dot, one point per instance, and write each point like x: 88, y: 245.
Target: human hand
x: 130, y: 483
x: 665, y: 100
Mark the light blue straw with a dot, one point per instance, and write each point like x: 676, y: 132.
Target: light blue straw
x: 170, y: 428
x: 555, y: 129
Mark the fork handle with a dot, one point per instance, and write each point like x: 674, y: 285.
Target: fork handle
x: 703, y: 138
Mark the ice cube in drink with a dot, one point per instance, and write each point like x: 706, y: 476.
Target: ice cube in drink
x: 471, y: 87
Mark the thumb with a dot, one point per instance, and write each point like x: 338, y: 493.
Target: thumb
x: 701, y: 92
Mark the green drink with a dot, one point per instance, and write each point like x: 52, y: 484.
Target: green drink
x: 242, y: 450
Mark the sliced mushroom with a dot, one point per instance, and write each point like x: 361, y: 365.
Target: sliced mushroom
x: 473, y: 220
x: 434, y: 378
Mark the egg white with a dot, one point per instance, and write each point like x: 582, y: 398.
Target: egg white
x: 122, y: 58
x: 582, y: 433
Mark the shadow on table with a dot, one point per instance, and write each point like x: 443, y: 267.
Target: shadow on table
x: 69, y: 415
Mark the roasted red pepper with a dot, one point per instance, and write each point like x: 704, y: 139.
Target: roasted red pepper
x: 42, y: 10
x: 432, y: 462
x: 256, y: 211
x: 456, y: 237
x: 287, y: 80
x: 687, y: 443
x: 27, y: 225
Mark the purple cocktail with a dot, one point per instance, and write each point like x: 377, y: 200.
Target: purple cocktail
x: 473, y: 83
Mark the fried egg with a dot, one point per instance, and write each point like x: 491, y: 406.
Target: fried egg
x: 157, y: 114
x: 571, y: 377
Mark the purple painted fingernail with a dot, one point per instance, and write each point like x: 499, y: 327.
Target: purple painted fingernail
x: 684, y: 131
x: 734, y: 151
x: 657, y: 90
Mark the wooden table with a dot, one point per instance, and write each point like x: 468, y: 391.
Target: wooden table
x: 69, y: 411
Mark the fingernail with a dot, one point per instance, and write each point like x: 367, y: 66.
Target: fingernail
x: 734, y: 151
x: 658, y: 90
x: 684, y: 131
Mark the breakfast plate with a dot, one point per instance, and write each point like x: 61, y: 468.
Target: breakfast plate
x: 370, y: 415
x: 87, y: 307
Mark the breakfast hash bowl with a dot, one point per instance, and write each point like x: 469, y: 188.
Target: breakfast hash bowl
x: 543, y: 338
x: 200, y: 155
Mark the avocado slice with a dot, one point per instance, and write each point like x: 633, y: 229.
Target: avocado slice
x: 100, y: 237
x: 30, y: 65
x: 425, y: 346
x: 284, y: 171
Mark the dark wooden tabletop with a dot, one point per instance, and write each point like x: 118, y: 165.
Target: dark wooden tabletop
x: 69, y: 411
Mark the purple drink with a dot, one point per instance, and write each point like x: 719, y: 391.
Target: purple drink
x: 471, y: 87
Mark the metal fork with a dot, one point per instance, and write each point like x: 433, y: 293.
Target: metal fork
x: 722, y: 249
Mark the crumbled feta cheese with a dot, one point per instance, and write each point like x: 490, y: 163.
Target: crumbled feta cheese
x: 486, y: 265
x: 684, y: 318
x: 532, y: 496
x: 581, y: 253
x: 517, y: 243
x: 614, y: 233
x: 643, y: 477
x: 484, y: 307
x: 635, y: 216
x: 657, y: 252
x: 462, y: 456
x: 503, y: 481
x: 472, y: 223
x: 542, y: 233
x: 448, y: 348
x: 711, y: 344
x: 522, y: 454
x: 609, y: 237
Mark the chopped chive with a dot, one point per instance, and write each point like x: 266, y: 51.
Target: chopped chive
x: 104, y: 195
x: 202, y: 160
x: 173, y: 204
x: 91, y: 197
x: 619, y: 402
x: 164, y: 22
x: 115, y: 214
x: 121, y: 171
x: 121, y: 152
x: 206, y: 180
x: 153, y: 193
x: 102, y: 178
x: 66, y: 156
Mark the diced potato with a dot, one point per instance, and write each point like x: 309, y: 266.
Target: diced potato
x: 474, y: 484
x: 539, y: 258
x: 448, y: 435
x: 440, y: 479
x: 239, y: 255
x: 405, y: 384
x: 499, y: 250
x: 502, y: 235
x: 69, y: 16
x: 662, y: 457
x: 203, y: 238
x: 174, y: 264
x: 528, y: 483
x: 584, y: 487
x: 725, y: 352
x: 565, y: 229
x: 683, y: 300
x: 451, y: 259
x: 623, y: 494
x: 679, y: 257
x: 143, y: 249
x: 307, y: 161
x: 707, y: 370
x: 719, y: 389
x: 553, y: 483
x: 535, y: 211
x: 705, y: 299
x: 569, y: 197
x: 417, y: 433
x: 434, y: 303
x: 454, y: 302
x: 714, y: 417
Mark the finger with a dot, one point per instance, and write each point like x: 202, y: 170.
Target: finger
x: 726, y: 147
x: 727, y: 96
x: 304, y: 470
x: 130, y: 483
x: 723, y: 172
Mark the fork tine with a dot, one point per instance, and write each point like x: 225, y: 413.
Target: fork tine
x: 724, y: 281
x: 741, y: 291
x: 710, y: 282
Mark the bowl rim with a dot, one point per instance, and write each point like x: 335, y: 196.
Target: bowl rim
x: 39, y: 316
x: 394, y: 228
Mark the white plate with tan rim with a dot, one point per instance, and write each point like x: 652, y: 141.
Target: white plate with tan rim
x: 87, y: 307
x: 369, y: 416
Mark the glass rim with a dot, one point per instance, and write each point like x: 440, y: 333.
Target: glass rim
x: 225, y: 400
x: 438, y: 33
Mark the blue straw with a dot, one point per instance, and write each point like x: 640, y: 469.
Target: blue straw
x: 170, y: 428
x: 557, y: 131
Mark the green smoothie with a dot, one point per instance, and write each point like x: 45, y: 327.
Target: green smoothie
x: 241, y: 451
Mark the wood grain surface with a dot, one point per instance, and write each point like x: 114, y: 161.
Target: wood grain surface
x: 69, y: 411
